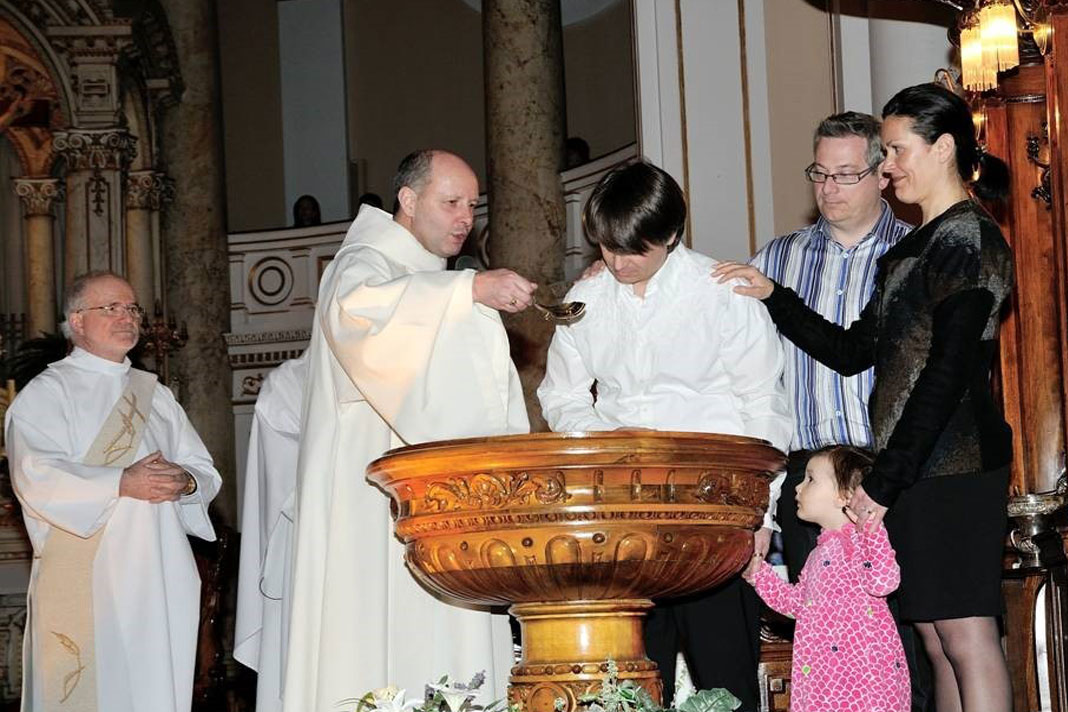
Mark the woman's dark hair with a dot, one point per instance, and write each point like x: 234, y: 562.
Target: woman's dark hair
x: 934, y: 111
x: 850, y: 465
x: 634, y: 207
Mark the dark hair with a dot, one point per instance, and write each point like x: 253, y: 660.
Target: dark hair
x: 299, y: 221
x: 413, y: 171
x: 634, y: 207
x: 850, y: 465
x: 934, y: 111
x: 849, y: 124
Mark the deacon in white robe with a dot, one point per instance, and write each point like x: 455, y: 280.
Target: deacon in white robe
x: 141, y: 590
x: 267, y: 529
x: 401, y: 352
x: 669, y: 348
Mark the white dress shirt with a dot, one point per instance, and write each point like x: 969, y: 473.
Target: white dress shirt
x: 691, y: 355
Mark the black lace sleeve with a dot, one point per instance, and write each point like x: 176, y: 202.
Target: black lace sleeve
x: 848, y: 350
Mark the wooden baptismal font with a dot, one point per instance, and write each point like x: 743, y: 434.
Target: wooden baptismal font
x: 577, y: 532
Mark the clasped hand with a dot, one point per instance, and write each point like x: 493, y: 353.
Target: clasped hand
x: 153, y: 479
x: 503, y: 290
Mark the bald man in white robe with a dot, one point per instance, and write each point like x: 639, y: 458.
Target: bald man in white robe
x: 402, y: 352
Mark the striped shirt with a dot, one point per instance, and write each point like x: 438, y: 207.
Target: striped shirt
x: 829, y: 409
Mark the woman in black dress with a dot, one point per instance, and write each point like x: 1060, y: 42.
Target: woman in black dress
x: 940, y: 478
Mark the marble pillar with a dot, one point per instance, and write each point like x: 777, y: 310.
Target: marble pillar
x: 97, y: 160
x: 194, y: 239
x: 525, y: 132
x: 38, y: 195
x: 142, y: 199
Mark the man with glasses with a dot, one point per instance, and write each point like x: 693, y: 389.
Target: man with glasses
x: 112, y: 478
x: 831, y: 264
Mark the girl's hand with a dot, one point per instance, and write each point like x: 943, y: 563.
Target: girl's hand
x: 761, y: 544
x: 759, y: 286
x: 869, y: 513
x: 749, y: 572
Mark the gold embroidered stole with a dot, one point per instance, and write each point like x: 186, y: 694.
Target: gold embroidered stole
x: 63, y: 653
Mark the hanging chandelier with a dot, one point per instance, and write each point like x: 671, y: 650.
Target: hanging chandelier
x: 989, y: 40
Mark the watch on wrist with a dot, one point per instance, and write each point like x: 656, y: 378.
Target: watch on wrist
x: 191, y: 486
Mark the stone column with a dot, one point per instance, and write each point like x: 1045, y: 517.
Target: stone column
x: 197, y: 280
x: 142, y: 199
x: 525, y: 117
x: 96, y: 163
x: 37, y: 196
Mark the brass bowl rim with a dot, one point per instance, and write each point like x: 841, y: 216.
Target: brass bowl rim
x: 596, y: 448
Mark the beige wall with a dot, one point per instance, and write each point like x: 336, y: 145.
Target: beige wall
x: 599, y: 80
x: 800, y: 93
x: 400, y: 99
x: 252, y: 115
x: 414, y: 76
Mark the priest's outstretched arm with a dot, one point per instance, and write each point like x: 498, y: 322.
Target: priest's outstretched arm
x: 416, y: 345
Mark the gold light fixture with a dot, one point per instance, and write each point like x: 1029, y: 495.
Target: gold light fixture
x: 973, y: 76
x: 988, y: 44
x: 988, y: 39
x: 997, y: 30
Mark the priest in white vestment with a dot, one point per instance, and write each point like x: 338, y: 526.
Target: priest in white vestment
x: 267, y: 529
x: 112, y: 478
x: 671, y: 349
x: 401, y: 352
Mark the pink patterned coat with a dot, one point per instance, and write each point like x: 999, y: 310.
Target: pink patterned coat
x: 847, y: 655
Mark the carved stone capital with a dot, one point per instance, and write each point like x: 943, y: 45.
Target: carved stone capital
x: 165, y: 187
x: 95, y: 149
x: 38, y: 194
x: 143, y: 190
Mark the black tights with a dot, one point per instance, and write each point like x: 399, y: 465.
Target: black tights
x: 970, y: 673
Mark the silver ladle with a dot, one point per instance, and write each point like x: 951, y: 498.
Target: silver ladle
x: 563, y: 313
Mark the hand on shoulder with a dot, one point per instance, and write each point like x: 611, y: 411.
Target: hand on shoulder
x: 753, y: 282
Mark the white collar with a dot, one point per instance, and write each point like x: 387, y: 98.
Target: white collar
x: 91, y: 362
x: 377, y: 228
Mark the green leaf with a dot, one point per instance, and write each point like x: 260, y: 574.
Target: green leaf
x: 716, y: 700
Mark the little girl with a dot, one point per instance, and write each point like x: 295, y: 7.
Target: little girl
x: 847, y: 655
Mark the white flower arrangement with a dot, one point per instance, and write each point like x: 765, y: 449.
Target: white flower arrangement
x: 440, y: 696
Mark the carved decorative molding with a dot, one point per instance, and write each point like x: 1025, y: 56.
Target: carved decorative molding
x: 259, y: 360
x: 95, y: 149
x: 143, y: 190
x: 82, y: 41
x: 267, y: 337
x: 38, y: 194
x: 44, y: 13
x: 495, y: 491
x: 270, y: 280
x: 166, y: 188
x: 250, y: 385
